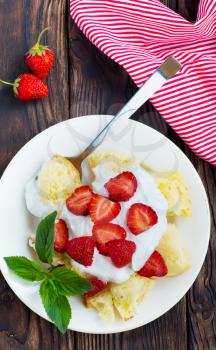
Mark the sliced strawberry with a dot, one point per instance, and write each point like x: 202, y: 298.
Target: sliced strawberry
x: 154, y: 267
x: 120, y: 251
x: 140, y: 217
x: 81, y: 249
x: 97, y: 286
x: 78, y: 202
x: 122, y: 187
x: 102, y: 209
x: 60, y: 235
x: 103, y: 233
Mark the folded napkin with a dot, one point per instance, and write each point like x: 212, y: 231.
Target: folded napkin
x: 140, y: 35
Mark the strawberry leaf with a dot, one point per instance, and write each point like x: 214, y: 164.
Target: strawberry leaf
x: 27, y: 269
x: 45, y: 238
x: 57, y: 306
x: 68, y: 282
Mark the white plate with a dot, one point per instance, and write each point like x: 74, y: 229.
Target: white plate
x: 68, y: 138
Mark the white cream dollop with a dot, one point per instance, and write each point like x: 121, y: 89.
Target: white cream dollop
x: 146, y: 242
x: 35, y: 203
x: 104, y: 269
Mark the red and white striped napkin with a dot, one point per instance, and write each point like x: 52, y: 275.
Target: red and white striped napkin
x: 140, y: 35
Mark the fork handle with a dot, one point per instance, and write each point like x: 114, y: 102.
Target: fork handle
x: 141, y: 96
x: 148, y: 89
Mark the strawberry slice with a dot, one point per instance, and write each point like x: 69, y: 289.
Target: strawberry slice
x: 140, y: 217
x: 154, y: 267
x: 121, y: 187
x: 81, y: 249
x: 60, y: 236
x: 78, y: 202
x: 102, y: 209
x: 120, y: 251
x: 103, y: 233
x: 97, y: 286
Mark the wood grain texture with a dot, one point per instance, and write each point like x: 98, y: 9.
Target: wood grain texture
x: 202, y: 296
x: 20, y: 22
x: 84, y: 81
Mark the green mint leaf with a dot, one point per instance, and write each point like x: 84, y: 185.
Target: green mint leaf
x: 45, y: 238
x: 68, y: 282
x: 27, y: 269
x: 57, y: 306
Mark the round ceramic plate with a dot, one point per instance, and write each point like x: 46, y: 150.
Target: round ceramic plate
x: 68, y: 138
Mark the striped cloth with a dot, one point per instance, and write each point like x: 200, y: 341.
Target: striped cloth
x: 140, y: 35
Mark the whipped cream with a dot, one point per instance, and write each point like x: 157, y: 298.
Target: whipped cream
x: 35, y: 203
x: 146, y: 242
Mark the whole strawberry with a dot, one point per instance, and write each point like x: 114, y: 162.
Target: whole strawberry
x: 28, y: 87
x: 40, y: 58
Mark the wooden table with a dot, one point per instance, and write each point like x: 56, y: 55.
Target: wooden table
x: 84, y: 82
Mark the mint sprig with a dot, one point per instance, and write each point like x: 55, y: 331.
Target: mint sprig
x: 57, y: 282
x: 27, y: 269
x: 57, y: 306
x: 68, y: 282
x: 45, y: 238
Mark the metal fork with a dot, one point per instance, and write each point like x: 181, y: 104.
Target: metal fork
x: 166, y: 71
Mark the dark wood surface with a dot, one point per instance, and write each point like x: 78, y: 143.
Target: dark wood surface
x: 84, y: 82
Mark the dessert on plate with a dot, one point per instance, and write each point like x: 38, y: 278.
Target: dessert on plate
x: 119, y: 230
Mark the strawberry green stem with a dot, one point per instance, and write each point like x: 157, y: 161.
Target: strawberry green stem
x: 6, y: 82
x: 40, y: 35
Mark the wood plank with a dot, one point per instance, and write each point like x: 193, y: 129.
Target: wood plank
x: 20, y: 22
x: 202, y: 296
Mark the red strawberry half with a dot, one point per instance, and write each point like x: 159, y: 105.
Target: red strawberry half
x: 81, y: 249
x: 140, y: 217
x: 103, y: 233
x: 102, y: 209
x: 97, y: 286
x: 120, y: 251
x: 60, y: 236
x: 78, y: 202
x: 154, y: 267
x: 122, y: 187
